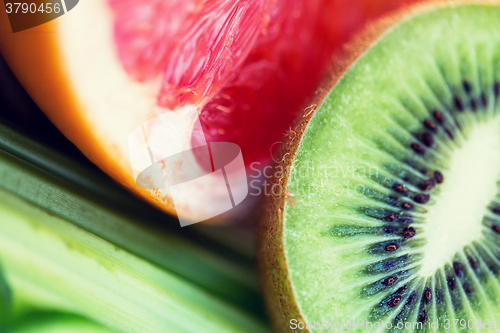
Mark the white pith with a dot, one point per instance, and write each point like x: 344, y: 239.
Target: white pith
x: 454, y: 220
x: 114, y: 105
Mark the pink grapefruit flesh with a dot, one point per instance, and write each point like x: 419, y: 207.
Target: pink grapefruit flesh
x: 244, y: 67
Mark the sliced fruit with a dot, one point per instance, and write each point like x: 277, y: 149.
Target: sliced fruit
x: 242, y: 67
x: 387, y: 208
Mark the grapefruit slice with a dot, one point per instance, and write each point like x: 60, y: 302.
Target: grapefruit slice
x: 131, y: 83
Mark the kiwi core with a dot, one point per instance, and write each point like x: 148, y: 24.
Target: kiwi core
x: 452, y: 222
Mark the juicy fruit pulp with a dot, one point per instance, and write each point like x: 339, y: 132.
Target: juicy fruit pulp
x: 395, y: 207
x: 243, y: 68
x: 248, y: 65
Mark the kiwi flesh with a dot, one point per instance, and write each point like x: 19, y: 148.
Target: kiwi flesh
x: 387, y: 206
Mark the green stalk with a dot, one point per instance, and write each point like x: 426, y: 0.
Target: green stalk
x: 90, y: 200
x: 55, y: 323
x: 56, y: 265
x: 72, y: 240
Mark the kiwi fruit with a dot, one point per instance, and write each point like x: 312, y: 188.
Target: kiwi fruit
x: 384, y: 213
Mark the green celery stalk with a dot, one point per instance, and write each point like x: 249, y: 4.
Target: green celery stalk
x: 57, y: 265
x: 55, y: 323
x: 90, y: 200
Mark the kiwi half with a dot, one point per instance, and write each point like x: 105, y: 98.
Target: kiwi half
x: 386, y: 205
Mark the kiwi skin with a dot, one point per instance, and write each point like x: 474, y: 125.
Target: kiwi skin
x: 275, y: 281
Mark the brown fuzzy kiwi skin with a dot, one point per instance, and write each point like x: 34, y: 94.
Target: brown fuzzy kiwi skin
x: 274, y: 276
